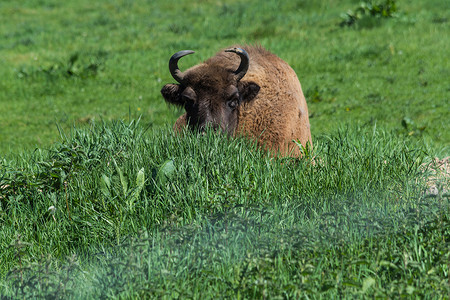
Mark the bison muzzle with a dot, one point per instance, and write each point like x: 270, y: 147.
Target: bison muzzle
x: 243, y: 90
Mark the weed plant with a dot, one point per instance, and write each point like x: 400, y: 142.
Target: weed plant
x: 148, y: 213
x: 370, y: 10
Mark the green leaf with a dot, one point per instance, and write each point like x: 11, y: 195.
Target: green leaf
x: 367, y: 283
x: 105, y: 185
x: 360, y: 262
x: 166, y: 171
x: 351, y: 284
x: 385, y: 263
x: 410, y: 289
x: 123, y: 180
x: 140, y: 179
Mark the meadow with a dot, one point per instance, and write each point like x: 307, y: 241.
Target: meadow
x: 137, y: 211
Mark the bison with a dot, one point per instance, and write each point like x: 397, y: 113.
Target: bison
x: 244, y: 90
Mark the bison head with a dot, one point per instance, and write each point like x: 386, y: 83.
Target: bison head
x: 212, y: 92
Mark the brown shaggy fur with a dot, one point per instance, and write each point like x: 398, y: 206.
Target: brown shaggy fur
x: 278, y: 115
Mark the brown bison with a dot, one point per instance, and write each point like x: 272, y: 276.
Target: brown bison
x: 244, y: 90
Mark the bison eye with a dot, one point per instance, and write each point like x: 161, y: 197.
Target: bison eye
x: 233, y: 103
x: 187, y: 98
x: 188, y: 95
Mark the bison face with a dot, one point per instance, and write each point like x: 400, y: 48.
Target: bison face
x: 213, y: 107
x: 210, y: 94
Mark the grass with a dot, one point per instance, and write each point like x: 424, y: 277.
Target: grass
x: 141, y: 212
x: 151, y: 213
x: 79, y: 61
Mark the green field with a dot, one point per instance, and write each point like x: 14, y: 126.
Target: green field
x: 140, y: 212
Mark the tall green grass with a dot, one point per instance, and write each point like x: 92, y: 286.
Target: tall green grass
x: 146, y: 212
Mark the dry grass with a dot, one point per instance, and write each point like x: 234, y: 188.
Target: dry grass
x: 438, y: 175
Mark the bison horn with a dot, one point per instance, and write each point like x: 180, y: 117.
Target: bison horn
x: 173, y: 65
x: 245, y: 59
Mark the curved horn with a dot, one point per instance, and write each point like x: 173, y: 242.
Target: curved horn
x: 173, y: 65
x: 245, y: 60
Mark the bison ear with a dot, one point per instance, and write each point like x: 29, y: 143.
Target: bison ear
x: 248, y: 90
x: 171, y: 92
